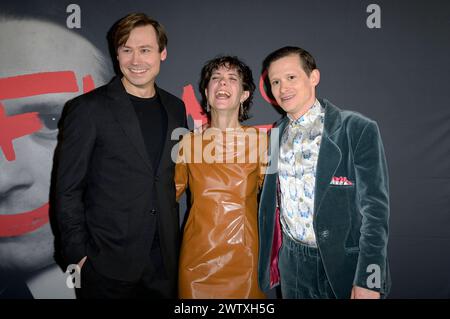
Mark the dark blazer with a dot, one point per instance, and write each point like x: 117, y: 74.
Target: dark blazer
x: 105, y: 181
x: 350, y: 221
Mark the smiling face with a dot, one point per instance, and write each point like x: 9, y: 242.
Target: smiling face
x: 292, y: 88
x: 56, y: 60
x: 139, y: 60
x: 225, y: 91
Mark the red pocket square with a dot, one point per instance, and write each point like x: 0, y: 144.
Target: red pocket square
x: 340, y: 180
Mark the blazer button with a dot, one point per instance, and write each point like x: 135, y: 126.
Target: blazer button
x: 153, y: 211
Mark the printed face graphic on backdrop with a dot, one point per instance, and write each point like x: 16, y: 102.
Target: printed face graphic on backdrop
x: 43, y: 66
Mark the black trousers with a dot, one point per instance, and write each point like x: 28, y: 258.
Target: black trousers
x: 153, y: 283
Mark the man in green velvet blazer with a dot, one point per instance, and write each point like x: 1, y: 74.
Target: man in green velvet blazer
x: 324, y: 207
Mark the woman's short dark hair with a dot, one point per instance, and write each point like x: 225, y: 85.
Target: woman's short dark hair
x: 229, y: 62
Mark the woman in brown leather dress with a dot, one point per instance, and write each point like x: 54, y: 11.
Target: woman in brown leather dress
x: 222, y: 164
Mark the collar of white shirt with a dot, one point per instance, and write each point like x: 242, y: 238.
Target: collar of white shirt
x: 309, y: 117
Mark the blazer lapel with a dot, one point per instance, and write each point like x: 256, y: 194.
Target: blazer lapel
x: 281, y: 127
x: 172, y: 123
x: 125, y: 115
x: 275, y: 148
x: 329, y: 154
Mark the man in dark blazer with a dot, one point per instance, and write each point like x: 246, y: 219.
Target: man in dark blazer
x: 115, y: 192
x: 323, y: 216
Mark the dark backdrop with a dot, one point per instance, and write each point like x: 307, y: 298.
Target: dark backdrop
x: 396, y: 75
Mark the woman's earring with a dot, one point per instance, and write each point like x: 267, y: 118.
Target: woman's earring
x: 207, y: 107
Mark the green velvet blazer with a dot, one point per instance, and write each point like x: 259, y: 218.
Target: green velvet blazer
x: 350, y: 221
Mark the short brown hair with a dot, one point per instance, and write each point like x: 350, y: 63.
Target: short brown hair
x: 131, y: 21
x: 307, y: 60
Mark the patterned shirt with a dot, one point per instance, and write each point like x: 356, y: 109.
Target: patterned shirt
x: 299, y: 152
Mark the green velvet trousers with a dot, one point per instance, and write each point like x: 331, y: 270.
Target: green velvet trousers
x: 302, y: 273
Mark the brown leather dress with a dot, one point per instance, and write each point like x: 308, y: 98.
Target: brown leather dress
x: 219, y: 252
